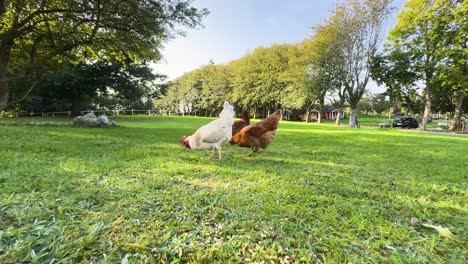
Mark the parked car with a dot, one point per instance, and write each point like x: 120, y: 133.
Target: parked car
x: 405, y: 122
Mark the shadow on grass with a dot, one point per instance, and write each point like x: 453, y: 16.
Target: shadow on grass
x: 318, y: 191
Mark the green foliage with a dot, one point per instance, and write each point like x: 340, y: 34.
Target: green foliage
x: 432, y: 34
x: 181, y: 94
x: 359, y: 23
x: 256, y: 80
x: 259, y: 76
x: 87, y: 195
x: 295, y: 76
x: 99, y: 82
x: 37, y: 35
x: 214, y: 86
x: 131, y: 30
x: 298, y: 92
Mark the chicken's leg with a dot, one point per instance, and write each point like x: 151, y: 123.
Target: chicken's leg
x: 213, y: 154
x: 254, y: 149
x: 219, y: 154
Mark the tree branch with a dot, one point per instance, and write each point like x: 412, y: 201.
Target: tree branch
x: 31, y: 16
x: 96, y: 26
x: 29, y: 90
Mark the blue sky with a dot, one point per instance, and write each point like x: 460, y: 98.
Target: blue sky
x: 236, y: 27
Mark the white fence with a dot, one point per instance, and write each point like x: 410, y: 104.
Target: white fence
x: 106, y: 112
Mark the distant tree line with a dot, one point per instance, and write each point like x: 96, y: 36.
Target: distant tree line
x: 337, y: 62
x: 72, y: 55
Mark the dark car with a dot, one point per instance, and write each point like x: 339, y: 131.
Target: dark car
x: 405, y: 122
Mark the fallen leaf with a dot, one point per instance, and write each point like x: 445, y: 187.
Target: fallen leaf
x: 443, y: 232
x: 390, y: 247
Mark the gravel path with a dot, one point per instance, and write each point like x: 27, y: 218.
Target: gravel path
x: 421, y: 131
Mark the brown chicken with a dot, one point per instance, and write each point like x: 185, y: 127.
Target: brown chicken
x: 245, y: 121
x: 259, y: 135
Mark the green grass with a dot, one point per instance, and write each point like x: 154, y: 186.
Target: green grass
x: 320, y: 194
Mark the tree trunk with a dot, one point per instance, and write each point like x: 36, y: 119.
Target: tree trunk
x: 255, y: 113
x: 408, y: 109
x: 307, y: 114
x: 458, y: 110
x: 76, y: 105
x: 353, y: 118
x: 427, y: 107
x: 3, y: 95
x: 4, y: 89
x: 321, y: 108
x: 338, y: 116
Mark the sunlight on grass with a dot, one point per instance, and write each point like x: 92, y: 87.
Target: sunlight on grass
x: 319, y: 194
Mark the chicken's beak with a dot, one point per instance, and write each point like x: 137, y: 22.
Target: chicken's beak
x: 184, y: 142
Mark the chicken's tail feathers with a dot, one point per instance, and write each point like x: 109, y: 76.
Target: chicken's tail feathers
x: 228, y: 110
x: 228, y: 106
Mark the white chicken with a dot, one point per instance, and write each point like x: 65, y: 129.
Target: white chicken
x: 212, y: 135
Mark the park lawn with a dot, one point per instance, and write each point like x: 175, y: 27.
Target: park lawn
x: 319, y: 194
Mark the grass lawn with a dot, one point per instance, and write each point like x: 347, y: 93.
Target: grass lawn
x: 319, y: 194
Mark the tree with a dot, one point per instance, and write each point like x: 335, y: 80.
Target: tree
x: 339, y: 100
x: 215, y: 87
x: 366, y: 104
x: 381, y: 104
x: 420, y: 32
x: 299, y: 91
x: 105, y: 78
x: 35, y: 34
x: 327, y: 70
x: 182, y: 94
x: 452, y: 73
x: 256, y: 78
x: 396, y: 71
x: 361, y: 21
x: 244, y: 81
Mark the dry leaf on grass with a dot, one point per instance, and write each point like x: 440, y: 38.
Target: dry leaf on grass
x: 442, y: 231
